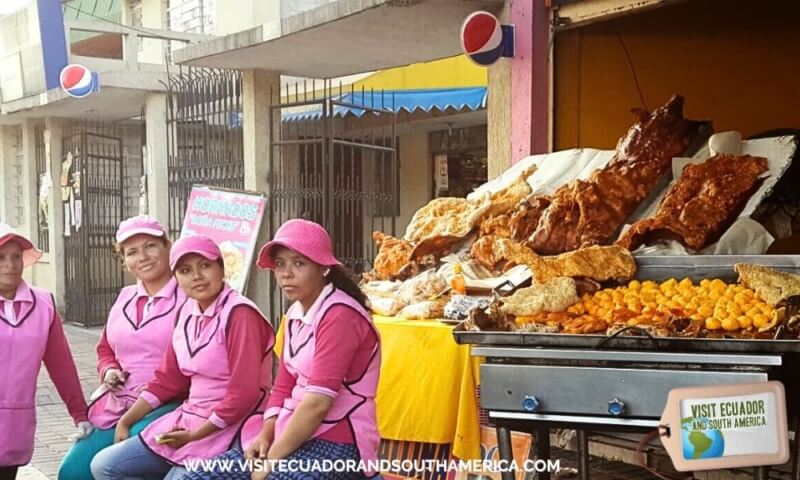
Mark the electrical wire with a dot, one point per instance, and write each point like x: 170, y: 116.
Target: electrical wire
x: 646, y: 439
x: 632, y: 67
x: 149, y: 33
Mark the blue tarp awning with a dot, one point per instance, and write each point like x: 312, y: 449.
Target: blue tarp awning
x: 427, y: 100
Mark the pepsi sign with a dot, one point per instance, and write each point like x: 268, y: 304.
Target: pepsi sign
x: 485, y: 40
x: 78, y: 81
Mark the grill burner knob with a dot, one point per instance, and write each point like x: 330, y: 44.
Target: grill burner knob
x: 530, y: 403
x: 616, y: 407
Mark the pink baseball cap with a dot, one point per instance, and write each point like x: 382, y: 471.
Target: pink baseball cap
x: 307, y: 238
x: 199, y: 244
x: 141, y: 224
x: 30, y: 254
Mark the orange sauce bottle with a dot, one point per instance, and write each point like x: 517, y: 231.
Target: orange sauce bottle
x: 457, y: 283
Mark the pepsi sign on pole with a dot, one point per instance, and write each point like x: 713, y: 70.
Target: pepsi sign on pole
x: 485, y: 40
x: 78, y: 81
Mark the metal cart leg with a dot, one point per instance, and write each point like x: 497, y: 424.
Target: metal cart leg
x: 542, y: 439
x: 583, y: 455
x: 531, y: 475
x: 761, y: 473
x: 796, y: 449
x: 504, y: 445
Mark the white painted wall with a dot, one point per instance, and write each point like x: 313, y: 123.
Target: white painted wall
x: 153, y: 16
x: 416, y: 177
x: 237, y: 15
x: 21, y: 64
x: 293, y: 7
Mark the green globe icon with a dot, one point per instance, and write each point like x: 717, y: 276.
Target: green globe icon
x: 698, y: 444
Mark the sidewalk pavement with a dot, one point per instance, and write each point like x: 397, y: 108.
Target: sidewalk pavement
x: 54, y: 425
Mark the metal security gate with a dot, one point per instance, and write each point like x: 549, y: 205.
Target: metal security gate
x: 93, y: 202
x: 204, y: 135
x: 334, y: 161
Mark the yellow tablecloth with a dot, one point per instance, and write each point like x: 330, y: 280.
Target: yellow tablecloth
x: 426, y: 391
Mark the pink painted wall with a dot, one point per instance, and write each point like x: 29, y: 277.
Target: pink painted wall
x: 529, y: 79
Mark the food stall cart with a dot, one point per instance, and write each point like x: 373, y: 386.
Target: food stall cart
x: 582, y: 347
x: 533, y: 382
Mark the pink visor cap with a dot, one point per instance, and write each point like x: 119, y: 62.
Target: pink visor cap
x: 304, y: 237
x: 198, y: 244
x: 141, y: 224
x: 30, y: 254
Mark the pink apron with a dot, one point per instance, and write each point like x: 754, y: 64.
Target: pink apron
x: 22, y: 347
x: 138, y: 348
x: 355, y: 401
x: 202, y: 354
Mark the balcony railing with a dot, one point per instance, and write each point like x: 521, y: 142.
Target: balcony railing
x: 106, y: 46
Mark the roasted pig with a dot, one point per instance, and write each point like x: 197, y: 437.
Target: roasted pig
x: 499, y: 253
x: 393, y: 255
x: 586, y: 213
x: 556, y: 295
x: 596, y: 263
x: 446, y: 217
x: 526, y: 217
x: 702, y: 203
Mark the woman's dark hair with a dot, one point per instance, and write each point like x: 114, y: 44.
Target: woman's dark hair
x: 345, y: 280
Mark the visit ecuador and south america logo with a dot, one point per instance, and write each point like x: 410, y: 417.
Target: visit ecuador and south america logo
x: 728, y: 425
x: 702, y: 433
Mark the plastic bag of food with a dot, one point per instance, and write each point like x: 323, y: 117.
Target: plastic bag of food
x: 386, y: 306
x: 425, y: 286
x: 431, y: 309
x: 380, y: 288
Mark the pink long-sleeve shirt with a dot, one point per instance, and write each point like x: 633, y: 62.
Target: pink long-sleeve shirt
x: 344, y: 345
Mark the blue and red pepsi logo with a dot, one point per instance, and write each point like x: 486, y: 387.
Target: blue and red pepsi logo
x: 485, y: 40
x: 78, y: 81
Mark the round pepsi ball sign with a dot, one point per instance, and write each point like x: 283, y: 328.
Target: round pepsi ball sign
x: 482, y: 38
x: 77, y: 81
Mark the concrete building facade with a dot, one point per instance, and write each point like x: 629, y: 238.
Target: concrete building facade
x: 134, y: 44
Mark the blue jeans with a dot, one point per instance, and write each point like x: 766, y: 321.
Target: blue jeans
x: 132, y: 460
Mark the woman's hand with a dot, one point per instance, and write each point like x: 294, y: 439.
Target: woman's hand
x: 114, y: 378
x: 122, y: 432
x: 83, y: 430
x: 176, y: 438
x: 258, y: 449
x: 261, y: 445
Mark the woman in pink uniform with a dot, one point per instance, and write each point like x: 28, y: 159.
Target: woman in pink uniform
x: 323, y: 404
x: 30, y: 333
x: 136, y: 335
x: 220, y: 355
